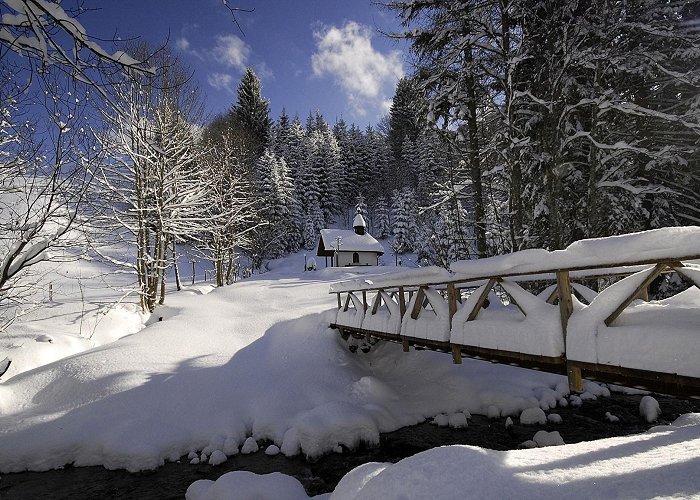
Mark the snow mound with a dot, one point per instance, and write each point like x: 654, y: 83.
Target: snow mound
x: 533, y: 416
x: 249, y: 446
x: 244, y: 484
x: 544, y: 438
x: 217, y: 457
x: 649, y: 409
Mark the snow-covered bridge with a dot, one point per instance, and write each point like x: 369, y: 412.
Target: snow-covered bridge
x: 485, y: 309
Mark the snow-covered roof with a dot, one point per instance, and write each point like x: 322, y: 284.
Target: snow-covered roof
x: 349, y: 241
x: 359, y: 221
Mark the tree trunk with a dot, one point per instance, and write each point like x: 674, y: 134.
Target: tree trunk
x: 176, y: 267
x: 474, y: 160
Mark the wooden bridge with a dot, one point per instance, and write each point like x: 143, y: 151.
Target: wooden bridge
x: 538, y: 309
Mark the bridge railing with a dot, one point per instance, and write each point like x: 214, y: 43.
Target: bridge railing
x: 613, y: 335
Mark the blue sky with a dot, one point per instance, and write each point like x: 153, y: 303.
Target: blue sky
x: 310, y: 54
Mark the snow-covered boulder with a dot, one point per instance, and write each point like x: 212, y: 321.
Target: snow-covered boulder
x: 649, y: 409
x: 217, y: 457
x: 544, y: 438
x: 249, y: 446
x: 533, y: 416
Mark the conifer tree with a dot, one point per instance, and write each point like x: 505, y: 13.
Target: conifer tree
x: 403, y: 215
x: 252, y: 112
x: 382, y: 225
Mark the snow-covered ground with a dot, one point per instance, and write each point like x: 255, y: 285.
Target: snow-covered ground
x: 216, y: 367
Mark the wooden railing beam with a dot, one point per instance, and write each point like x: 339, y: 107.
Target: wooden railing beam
x: 635, y: 294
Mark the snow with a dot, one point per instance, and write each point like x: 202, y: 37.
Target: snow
x: 244, y: 484
x: 506, y: 328
x: 433, y: 323
x: 217, y: 457
x: 533, y: 416
x: 393, y: 277
x: 353, y: 316
x: 554, y: 418
x: 255, y: 362
x: 249, y: 446
x: 649, y: 409
x: 661, y: 463
x: 350, y: 241
x: 544, y: 438
x: 673, y: 243
x: 387, y: 317
x: 272, y: 450
x: 637, y: 330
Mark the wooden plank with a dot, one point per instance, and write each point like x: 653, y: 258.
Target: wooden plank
x: 377, y: 302
x: 402, y: 302
x: 654, y: 274
x: 545, y: 363
x: 340, y: 304
x: 665, y: 383
x: 566, y: 305
x: 573, y: 373
x: 553, y: 296
x: 452, y: 302
x: 418, y: 304
x: 364, y: 300
x: 347, y: 302
x: 482, y: 298
x: 405, y: 344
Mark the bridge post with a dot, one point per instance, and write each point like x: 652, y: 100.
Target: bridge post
x: 452, y: 305
x: 402, y: 309
x: 566, y: 308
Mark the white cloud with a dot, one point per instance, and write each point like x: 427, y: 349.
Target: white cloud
x: 231, y: 51
x: 183, y: 44
x: 366, y: 75
x: 221, y: 81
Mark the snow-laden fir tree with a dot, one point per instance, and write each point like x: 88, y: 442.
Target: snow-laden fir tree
x: 382, y: 225
x: 405, y: 122
x: 252, y: 111
x: 403, y: 214
x: 361, y: 205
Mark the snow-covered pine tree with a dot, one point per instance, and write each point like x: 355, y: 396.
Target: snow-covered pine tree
x: 324, y: 170
x: 403, y: 213
x: 405, y: 121
x: 361, y: 205
x: 279, y: 141
x: 252, y: 112
x: 382, y: 225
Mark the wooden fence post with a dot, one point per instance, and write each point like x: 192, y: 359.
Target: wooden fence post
x: 566, y: 308
x: 452, y: 307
